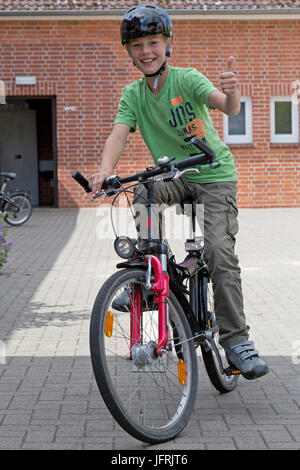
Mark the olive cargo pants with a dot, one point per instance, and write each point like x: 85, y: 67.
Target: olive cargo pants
x: 220, y: 227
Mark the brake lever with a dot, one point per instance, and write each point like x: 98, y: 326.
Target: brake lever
x: 175, y: 174
x: 187, y: 170
x: 178, y: 173
x: 111, y: 186
x: 102, y: 193
x: 109, y: 192
x: 172, y: 174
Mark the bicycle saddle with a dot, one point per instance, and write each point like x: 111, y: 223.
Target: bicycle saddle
x: 10, y: 176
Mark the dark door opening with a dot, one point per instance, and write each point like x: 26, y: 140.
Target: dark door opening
x: 28, y: 146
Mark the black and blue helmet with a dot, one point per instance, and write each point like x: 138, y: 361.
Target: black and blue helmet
x: 145, y: 20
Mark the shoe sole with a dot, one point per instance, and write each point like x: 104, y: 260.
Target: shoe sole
x: 250, y: 376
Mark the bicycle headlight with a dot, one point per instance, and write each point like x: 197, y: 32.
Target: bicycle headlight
x: 124, y: 247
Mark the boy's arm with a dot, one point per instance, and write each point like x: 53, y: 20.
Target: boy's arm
x: 227, y: 100
x: 229, y: 105
x: 112, y: 152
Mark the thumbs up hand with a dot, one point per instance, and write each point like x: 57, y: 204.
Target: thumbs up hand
x: 228, y: 79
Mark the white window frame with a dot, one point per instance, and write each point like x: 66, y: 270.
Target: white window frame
x: 242, y: 138
x: 284, y: 138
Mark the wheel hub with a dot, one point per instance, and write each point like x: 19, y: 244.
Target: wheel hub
x: 144, y: 354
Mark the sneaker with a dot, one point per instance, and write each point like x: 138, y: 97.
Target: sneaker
x: 122, y: 302
x: 244, y: 357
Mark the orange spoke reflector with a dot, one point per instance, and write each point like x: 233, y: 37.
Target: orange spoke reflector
x: 109, y: 324
x: 181, y: 372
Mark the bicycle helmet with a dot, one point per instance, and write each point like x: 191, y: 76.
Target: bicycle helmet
x: 147, y: 20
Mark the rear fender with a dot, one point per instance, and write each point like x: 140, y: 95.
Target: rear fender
x: 19, y: 193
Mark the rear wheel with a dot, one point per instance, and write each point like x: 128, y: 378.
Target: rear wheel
x: 151, y: 397
x: 19, y: 211
x: 222, y: 382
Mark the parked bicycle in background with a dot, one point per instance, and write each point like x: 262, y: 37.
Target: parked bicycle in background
x: 15, y: 207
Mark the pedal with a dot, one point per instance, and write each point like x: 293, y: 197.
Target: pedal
x: 231, y: 371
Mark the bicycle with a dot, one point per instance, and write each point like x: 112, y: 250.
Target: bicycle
x: 143, y: 348
x: 16, y: 208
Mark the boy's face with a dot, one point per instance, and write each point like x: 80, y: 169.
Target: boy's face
x: 148, y: 53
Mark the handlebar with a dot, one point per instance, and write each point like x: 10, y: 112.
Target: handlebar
x: 82, y: 181
x: 115, y: 182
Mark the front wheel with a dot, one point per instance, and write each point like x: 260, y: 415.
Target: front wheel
x: 19, y: 210
x: 222, y: 382
x: 151, y: 397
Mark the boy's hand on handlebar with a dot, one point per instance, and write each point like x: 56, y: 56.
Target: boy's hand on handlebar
x: 96, y: 181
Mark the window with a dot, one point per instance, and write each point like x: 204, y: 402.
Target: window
x: 284, y: 120
x: 238, y: 129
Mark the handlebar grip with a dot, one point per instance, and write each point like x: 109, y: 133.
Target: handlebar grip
x: 82, y: 181
x: 202, y: 146
x: 200, y: 159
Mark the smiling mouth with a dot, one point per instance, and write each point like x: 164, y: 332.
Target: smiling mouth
x: 147, y: 61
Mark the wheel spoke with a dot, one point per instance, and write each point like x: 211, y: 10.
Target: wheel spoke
x: 221, y: 381
x: 145, y: 387
x: 19, y: 211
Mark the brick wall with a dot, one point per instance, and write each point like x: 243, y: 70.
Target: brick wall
x: 85, y: 67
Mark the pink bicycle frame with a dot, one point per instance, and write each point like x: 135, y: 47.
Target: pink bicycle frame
x: 135, y: 316
x: 161, y: 287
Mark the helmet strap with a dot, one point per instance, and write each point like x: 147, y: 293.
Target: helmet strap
x: 157, y: 74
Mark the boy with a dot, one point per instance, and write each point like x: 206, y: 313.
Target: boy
x: 167, y: 104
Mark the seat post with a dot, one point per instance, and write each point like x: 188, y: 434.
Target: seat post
x: 4, y: 185
x: 192, y: 216
x: 193, y: 223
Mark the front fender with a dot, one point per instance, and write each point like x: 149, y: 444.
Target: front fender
x: 132, y: 264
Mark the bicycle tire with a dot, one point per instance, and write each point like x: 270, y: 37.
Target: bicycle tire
x: 146, y: 399
x: 220, y: 381
x: 13, y: 217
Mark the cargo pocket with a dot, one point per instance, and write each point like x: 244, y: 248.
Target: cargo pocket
x: 232, y: 213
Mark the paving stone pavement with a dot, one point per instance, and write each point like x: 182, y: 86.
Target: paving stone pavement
x: 48, y: 396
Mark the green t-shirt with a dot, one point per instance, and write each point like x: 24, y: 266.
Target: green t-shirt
x: 167, y: 121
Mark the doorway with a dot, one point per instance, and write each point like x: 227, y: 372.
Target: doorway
x: 28, y: 147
